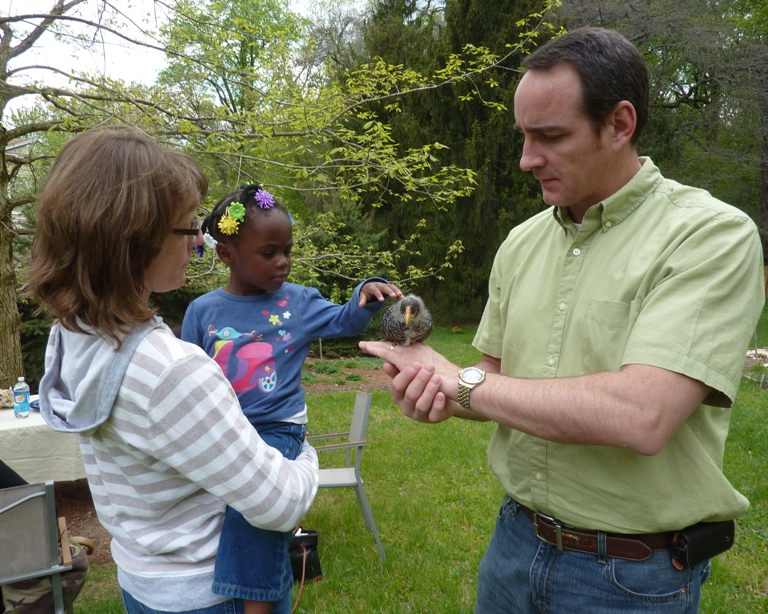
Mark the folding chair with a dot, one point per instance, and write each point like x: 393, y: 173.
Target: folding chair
x: 349, y: 476
x: 29, y: 538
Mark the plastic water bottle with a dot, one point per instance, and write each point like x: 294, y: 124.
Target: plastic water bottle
x: 21, y: 399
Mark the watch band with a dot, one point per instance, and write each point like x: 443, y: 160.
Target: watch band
x: 464, y: 395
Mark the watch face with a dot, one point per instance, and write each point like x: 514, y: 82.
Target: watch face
x: 471, y: 375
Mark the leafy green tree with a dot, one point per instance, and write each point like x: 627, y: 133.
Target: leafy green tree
x: 242, y: 97
x: 333, y: 135
x: 233, y: 49
x: 473, y: 121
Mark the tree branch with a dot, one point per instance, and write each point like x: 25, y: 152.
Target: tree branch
x: 57, y: 13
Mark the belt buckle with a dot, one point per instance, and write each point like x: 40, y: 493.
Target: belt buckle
x: 554, y: 523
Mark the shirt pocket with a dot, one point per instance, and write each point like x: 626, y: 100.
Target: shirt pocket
x: 604, y: 335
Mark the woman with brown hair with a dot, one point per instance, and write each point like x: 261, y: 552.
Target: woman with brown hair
x: 164, y: 442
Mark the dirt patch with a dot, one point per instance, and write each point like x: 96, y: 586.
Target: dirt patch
x: 74, y: 498
x: 74, y: 502
x: 343, y: 378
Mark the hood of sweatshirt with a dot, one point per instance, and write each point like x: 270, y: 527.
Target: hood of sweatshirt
x: 83, y: 376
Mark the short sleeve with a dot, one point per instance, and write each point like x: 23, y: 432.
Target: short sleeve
x: 698, y: 318
x: 490, y: 334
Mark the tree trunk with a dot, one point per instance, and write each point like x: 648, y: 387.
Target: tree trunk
x: 11, y: 365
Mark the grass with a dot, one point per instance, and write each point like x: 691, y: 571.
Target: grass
x: 435, y: 500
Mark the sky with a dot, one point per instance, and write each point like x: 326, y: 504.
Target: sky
x: 114, y: 58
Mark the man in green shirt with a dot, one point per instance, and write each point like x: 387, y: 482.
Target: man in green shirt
x: 613, y: 344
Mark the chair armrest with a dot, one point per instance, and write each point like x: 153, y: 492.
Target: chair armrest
x: 341, y: 446
x: 328, y: 436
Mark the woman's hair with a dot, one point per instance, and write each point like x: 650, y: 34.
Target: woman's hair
x: 256, y: 201
x: 108, y: 206
x: 610, y: 67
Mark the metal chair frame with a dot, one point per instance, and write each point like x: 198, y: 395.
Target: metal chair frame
x: 349, y: 476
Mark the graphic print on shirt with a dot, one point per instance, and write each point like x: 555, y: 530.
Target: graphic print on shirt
x: 245, y: 358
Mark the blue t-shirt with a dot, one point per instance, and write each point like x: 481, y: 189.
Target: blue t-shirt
x: 261, y: 342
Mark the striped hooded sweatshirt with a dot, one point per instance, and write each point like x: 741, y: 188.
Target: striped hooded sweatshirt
x: 166, y: 448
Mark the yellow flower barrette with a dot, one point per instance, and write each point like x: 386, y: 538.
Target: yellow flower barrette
x: 230, y: 221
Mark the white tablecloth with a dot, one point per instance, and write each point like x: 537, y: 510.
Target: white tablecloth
x: 36, y: 452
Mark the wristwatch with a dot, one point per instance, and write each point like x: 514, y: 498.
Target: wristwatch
x: 468, y: 379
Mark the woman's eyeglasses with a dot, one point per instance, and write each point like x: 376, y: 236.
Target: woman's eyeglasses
x: 193, y: 229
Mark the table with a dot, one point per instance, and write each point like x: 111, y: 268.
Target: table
x: 36, y: 452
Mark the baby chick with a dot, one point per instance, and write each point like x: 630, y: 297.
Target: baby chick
x: 407, y: 321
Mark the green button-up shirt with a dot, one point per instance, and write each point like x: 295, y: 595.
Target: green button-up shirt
x: 658, y: 274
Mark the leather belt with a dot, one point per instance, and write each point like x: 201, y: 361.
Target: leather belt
x: 633, y: 547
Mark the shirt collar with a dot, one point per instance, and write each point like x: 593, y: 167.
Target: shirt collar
x: 617, y: 207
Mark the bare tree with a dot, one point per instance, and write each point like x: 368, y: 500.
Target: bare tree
x: 18, y: 34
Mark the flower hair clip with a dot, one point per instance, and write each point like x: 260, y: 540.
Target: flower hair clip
x: 264, y: 199
x: 230, y: 221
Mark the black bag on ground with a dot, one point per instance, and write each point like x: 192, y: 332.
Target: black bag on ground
x: 305, y: 560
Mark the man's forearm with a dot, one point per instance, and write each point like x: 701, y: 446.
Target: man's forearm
x: 639, y: 407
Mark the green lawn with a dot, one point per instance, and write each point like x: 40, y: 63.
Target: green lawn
x: 435, y: 501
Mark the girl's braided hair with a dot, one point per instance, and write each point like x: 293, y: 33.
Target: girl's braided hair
x: 253, y: 197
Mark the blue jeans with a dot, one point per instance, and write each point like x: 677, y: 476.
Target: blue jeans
x: 233, y: 606
x: 522, y: 574
x: 253, y: 563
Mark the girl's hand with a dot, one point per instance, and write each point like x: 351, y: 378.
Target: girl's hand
x: 378, y: 290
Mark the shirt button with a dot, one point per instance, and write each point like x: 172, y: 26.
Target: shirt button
x: 576, y: 251
x: 538, y: 476
x: 608, y: 224
x: 551, y: 361
x: 562, y: 306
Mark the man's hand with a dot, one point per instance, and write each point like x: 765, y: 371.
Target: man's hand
x: 416, y: 380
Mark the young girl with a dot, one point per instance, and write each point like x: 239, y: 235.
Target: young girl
x: 258, y: 328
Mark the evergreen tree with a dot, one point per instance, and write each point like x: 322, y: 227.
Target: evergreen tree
x: 474, y: 120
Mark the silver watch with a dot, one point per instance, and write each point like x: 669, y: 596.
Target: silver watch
x: 468, y: 379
